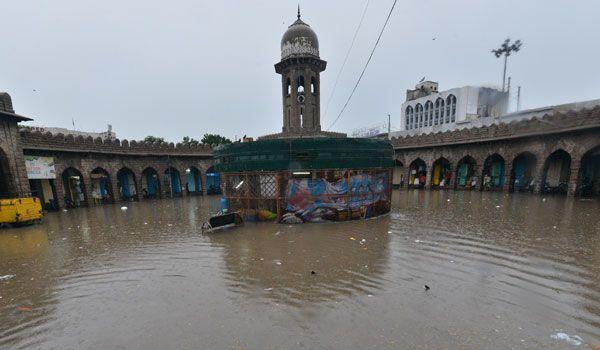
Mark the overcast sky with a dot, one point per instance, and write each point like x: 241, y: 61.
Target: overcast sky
x: 189, y: 67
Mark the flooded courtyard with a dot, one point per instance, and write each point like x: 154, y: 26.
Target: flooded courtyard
x: 503, y: 271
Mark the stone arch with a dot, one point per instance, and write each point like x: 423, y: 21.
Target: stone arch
x: 150, y: 183
x: 417, y: 173
x: 441, y: 173
x: 314, y: 87
x: 398, y: 174
x: 466, y: 173
x: 213, y: 181
x: 101, y: 186
x: 5, y: 176
x: 556, y: 172
x: 172, y: 182
x: 522, y: 173
x: 74, y: 187
x: 493, y: 172
x: 193, y: 181
x: 127, y: 184
x: 588, y: 184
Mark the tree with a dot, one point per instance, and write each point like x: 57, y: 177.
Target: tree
x: 188, y: 141
x: 154, y: 139
x: 214, y: 140
x: 506, y: 49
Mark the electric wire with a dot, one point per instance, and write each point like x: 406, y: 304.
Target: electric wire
x: 366, y: 65
x: 337, y: 78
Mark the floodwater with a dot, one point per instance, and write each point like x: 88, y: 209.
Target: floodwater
x: 504, y: 271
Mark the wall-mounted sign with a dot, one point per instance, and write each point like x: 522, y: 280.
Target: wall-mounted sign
x: 40, y: 167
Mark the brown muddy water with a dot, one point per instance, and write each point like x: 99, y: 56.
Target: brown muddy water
x: 505, y: 272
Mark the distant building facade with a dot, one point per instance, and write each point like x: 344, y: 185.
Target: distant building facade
x: 428, y: 110
x: 109, y: 134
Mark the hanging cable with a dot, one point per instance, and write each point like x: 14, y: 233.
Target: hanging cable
x: 366, y: 65
x: 337, y: 78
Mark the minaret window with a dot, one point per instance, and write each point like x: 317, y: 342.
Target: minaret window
x: 313, y: 85
x: 301, y: 84
x: 289, y: 86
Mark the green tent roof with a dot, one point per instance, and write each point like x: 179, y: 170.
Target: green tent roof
x: 304, y: 154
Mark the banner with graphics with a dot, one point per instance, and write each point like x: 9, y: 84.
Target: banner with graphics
x: 40, y: 167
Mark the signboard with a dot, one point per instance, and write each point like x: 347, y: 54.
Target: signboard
x: 40, y: 167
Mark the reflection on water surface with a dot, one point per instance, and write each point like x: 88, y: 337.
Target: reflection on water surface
x: 505, y: 271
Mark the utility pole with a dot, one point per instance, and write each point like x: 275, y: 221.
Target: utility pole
x: 506, y: 49
x: 389, y: 126
x: 508, y: 97
x: 518, y: 98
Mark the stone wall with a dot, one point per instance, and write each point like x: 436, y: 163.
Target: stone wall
x: 577, y: 133
x: 87, y: 154
x: 60, y: 142
x: 13, y: 162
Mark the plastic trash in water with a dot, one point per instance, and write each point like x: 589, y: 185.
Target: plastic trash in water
x: 571, y: 339
x: 7, y: 277
x: 124, y: 208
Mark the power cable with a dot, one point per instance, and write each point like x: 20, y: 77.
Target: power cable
x: 337, y: 78
x: 366, y: 65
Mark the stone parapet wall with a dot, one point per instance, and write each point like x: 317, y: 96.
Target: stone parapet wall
x: 548, y: 124
x: 69, y: 143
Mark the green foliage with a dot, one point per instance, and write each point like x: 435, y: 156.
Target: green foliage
x: 154, y: 139
x: 188, y: 141
x: 214, y: 140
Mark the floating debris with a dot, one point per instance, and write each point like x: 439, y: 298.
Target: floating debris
x: 124, y: 208
x: 7, y: 277
x: 426, y: 287
x: 571, y: 339
x: 352, y: 238
x: 268, y: 289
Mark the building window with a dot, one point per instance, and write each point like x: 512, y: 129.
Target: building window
x: 313, y: 85
x: 288, y: 86
x: 300, y: 84
x: 419, y: 112
x: 408, y: 115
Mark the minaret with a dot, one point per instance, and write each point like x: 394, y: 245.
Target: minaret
x: 300, y: 69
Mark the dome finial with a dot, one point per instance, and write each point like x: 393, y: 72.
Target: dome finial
x: 298, y: 10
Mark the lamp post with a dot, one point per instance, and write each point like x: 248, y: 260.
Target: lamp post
x: 506, y: 49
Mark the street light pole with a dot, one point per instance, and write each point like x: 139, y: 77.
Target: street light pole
x: 506, y: 49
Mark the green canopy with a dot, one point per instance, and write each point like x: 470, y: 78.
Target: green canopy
x: 304, y: 154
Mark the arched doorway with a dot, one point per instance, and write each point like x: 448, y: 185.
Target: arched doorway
x: 441, y: 174
x: 73, y: 187
x: 193, y: 181
x: 150, y: 183
x: 398, y: 175
x: 466, y: 173
x: 4, y: 176
x: 493, y: 172
x: 127, y: 184
x: 418, y: 173
x: 522, y: 173
x: 213, y: 181
x: 557, y: 171
x: 589, y: 178
x: 101, y: 186
x: 172, y: 182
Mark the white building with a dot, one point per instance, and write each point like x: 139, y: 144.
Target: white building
x: 109, y: 134
x: 428, y: 110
